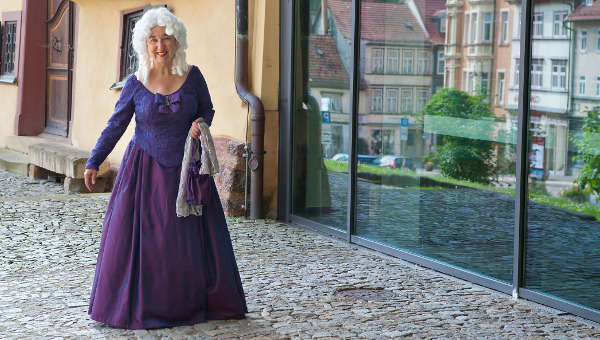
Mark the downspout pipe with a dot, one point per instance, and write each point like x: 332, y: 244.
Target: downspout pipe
x: 257, y: 126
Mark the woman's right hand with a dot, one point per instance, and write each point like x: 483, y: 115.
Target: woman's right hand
x: 90, y: 178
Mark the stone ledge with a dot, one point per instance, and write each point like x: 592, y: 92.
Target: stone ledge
x: 63, y: 159
x: 14, y: 162
x: 21, y: 143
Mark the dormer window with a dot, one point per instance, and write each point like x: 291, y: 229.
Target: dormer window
x: 589, y: 2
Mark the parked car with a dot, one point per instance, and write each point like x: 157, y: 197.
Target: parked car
x: 340, y: 157
x: 399, y: 162
x: 362, y: 159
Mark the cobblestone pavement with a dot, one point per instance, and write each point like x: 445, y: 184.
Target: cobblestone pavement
x: 296, y: 284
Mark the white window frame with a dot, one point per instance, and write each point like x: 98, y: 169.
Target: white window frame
x: 559, y: 74
x: 501, y: 80
x: 538, y: 25
x: 598, y: 41
x: 581, y: 86
x: 559, y: 30
x: 377, y: 100
x: 473, y: 28
x: 393, y: 61
x: 441, y: 62
x: 517, y: 70
x: 537, y: 73
x: 487, y: 27
x: 423, y: 62
x: 598, y: 86
x: 335, y: 99
x: 391, y: 100
x: 443, y: 23
x: 408, y: 61
x: 377, y: 60
x: 504, y: 29
x: 467, y: 34
x: 422, y: 97
x: 407, y: 101
x: 583, y: 41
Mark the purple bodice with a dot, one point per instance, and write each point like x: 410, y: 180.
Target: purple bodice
x: 161, y: 122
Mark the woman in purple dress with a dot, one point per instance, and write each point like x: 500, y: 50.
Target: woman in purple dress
x: 155, y: 269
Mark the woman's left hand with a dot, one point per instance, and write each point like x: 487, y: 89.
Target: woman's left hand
x: 195, y: 128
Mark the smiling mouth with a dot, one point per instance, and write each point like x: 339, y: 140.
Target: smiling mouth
x: 161, y: 54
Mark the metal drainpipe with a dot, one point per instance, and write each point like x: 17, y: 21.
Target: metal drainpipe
x: 257, y: 126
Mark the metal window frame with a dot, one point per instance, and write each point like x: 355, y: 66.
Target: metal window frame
x: 516, y: 287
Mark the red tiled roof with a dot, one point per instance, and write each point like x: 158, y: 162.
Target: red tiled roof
x: 586, y: 13
x: 325, y: 65
x: 433, y: 8
x: 389, y: 22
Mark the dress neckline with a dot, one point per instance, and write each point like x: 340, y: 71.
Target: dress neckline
x: 170, y: 94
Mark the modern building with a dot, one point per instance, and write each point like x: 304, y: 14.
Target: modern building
x: 353, y: 81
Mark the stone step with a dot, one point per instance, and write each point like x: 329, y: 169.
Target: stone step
x: 63, y: 159
x: 15, y: 162
x: 21, y: 143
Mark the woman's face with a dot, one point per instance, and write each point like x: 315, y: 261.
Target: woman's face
x: 161, y: 46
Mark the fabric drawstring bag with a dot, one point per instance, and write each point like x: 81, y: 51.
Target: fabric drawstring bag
x: 199, y: 163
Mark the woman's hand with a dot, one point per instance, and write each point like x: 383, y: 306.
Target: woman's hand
x: 195, y: 128
x: 90, y: 178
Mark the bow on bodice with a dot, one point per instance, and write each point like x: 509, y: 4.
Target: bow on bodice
x: 165, y: 102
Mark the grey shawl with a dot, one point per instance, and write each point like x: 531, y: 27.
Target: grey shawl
x: 210, y: 166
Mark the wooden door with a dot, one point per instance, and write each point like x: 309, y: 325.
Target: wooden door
x: 59, y: 66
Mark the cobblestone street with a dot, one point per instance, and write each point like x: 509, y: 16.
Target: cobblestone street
x: 297, y: 284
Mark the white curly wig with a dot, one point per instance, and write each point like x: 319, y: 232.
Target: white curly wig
x: 174, y: 26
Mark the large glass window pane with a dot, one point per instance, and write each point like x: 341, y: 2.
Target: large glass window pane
x: 320, y: 116
x: 563, y: 233
x: 437, y: 176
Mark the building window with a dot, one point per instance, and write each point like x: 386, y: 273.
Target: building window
x: 407, y: 101
x: 500, y: 88
x: 423, y: 66
x: 597, y: 86
x: 129, y: 61
x: 583, y: 42
x: 517, y: 66
x: 559, y: 74
x: 393, y: 61
x: 487, y: 27
x: 467, y: 32
x: 582, y: 85
x: 538, y: 24
x: 422, y: 97
x: 598, y: 42
x: 559, y: 28
x: 335, y: 101
x: 484, y: 83
x: 537, y: 69
x: 9, y: 46
x: 391, y: 100
x: 377, y: 60
x: 440, y: 62
x: 376, y: 100
x: 443, y: 25
x: 474, y: 28
x: 407, y: 61
x: 504, y: 33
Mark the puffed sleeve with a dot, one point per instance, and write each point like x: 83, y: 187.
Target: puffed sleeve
x: 205, y: 106
x: 117, y: 124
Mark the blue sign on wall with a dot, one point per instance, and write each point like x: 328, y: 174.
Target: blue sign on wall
x: 326, y: 116
x: 404, y: 122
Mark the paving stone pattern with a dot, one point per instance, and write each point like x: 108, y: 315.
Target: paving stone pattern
x: 297, y: 284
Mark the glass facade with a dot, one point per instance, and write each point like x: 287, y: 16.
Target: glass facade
x: 410, y: 134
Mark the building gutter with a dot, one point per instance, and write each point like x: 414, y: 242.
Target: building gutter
x: 255, y: 158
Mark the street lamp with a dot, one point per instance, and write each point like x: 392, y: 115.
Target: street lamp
x: 475, y: 74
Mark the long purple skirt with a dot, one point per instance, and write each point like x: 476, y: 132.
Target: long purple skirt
x: 155, y: 269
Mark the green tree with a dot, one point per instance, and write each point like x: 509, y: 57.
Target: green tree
x: 467, y: 151
x: 588, y: 145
